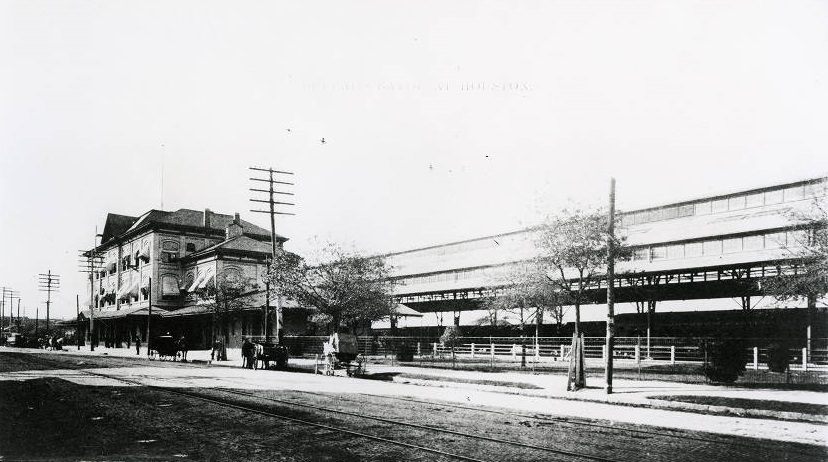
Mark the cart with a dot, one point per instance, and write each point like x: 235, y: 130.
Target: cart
x: 338, y: 353
x: 267, y: 352
x: 165, y: 347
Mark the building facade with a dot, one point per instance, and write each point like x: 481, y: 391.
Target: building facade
x: 190, y: 273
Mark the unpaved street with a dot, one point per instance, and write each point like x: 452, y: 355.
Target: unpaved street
x: 59, y: 406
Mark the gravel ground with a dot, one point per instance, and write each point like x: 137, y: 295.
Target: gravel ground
x: 49, y: 418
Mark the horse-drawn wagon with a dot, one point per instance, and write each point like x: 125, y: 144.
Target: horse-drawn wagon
x: 265, y: 352
x: 338, y: 353
x: 164, y: 347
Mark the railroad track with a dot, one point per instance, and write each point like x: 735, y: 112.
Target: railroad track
x: 735, y: 446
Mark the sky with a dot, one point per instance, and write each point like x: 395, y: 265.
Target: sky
x: 442, y: 121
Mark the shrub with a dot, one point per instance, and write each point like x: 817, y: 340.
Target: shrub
x: 451, y: 337
x: 725, y: 360
x: 779, y: 356
x: 405, y: 352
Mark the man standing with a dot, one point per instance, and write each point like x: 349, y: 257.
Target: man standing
x: 137, y: 346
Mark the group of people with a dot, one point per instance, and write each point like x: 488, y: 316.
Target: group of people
x: 248, y: 351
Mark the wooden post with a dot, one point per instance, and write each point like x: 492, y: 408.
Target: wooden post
x: 610, y: 341
x: 755, y: 358
x: 672, y: 354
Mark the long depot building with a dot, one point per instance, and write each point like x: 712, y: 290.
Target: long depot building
x: 707, y: 248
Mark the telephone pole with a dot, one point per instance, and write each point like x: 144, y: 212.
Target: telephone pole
x: 10, y: 293
x: 273, y: 203
x: 47, y: 283
x: 91, y: 262
x: 610, y: 347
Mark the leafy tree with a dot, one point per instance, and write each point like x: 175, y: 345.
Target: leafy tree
x: 573, y: 246
x: 527, y: 294
x: 809, y: 251
x: 225, y: 299
x: 346, y: 289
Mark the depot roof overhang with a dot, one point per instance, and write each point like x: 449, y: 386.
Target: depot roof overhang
x: 685, y: 284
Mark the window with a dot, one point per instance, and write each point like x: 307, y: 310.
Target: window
x: 732, y: 245
x: 753, y: 242
x: 712, y: 247
x: 703, y: 208
x: 775, y: 240
x: 794, y: 194
x: 719, y: 206
x: 754, y: 200
x: 773, y: 197
x: 169, y: 286
x: 736, y: 203
x: 670, y: 213
x: 169, y: 251
x: 655, y: 215
x: 686, y: 210
x: 693, y: 249
x: 659, y: 252
x: 675, y: 251
x: 191, y: 247
x: 797, y: 238
x: 641, y: 254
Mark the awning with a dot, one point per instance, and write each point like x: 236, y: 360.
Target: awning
x: 202, y: 280
x: 129, y: 289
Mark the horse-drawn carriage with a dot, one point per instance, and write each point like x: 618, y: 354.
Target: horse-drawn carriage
x: 265, y: 352
x: 340, y: 352
x: 164, y: 347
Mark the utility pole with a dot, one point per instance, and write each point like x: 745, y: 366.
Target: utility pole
x: 91, y: 262
x: 77, y: 320
x: 48, y: 282
x: 149, y: 314
x: 610, y: 281
x: 271, y: 192
x: 11, y: 293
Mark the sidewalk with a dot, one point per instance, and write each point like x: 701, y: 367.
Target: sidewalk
x: 807, y: 406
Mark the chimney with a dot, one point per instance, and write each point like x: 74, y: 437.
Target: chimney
x: 207, y: 216
x: 234, y: 229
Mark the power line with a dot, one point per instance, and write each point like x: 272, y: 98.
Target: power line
x: 272, y: 192
x: 48, y: 283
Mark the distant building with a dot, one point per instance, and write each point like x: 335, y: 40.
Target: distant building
x: 177, y: 262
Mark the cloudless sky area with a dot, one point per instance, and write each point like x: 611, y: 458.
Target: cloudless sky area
x: 442, y: 121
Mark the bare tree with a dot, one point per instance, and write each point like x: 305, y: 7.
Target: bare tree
x: 346, y: 289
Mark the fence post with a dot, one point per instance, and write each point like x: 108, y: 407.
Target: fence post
x: 672, y: 354
x: 472, y: 350
x: 514, y: 351
x: 537, y: 351
x: 604, y: 352
x: 418, y: 349
x: 435, y: 349
x: 805, y: 359
x: 755, y: 358
x: 638, y: 354
x: 562, y: 352
x: 492, y: 352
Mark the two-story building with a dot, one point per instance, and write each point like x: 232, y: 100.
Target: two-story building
x: 200, y: 272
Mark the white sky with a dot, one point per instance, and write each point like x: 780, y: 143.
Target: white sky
x: 443, y: 120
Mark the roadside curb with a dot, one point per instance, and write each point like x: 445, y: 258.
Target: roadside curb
x: 723, y: 411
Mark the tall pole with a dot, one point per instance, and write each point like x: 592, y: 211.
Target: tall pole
x: 149, y: 313
x: 271, y: 201
x: 48, y: 282
x: 77, y: 320
x: 610, y: 281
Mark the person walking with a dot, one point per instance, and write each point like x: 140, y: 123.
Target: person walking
x: 137, y: 346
